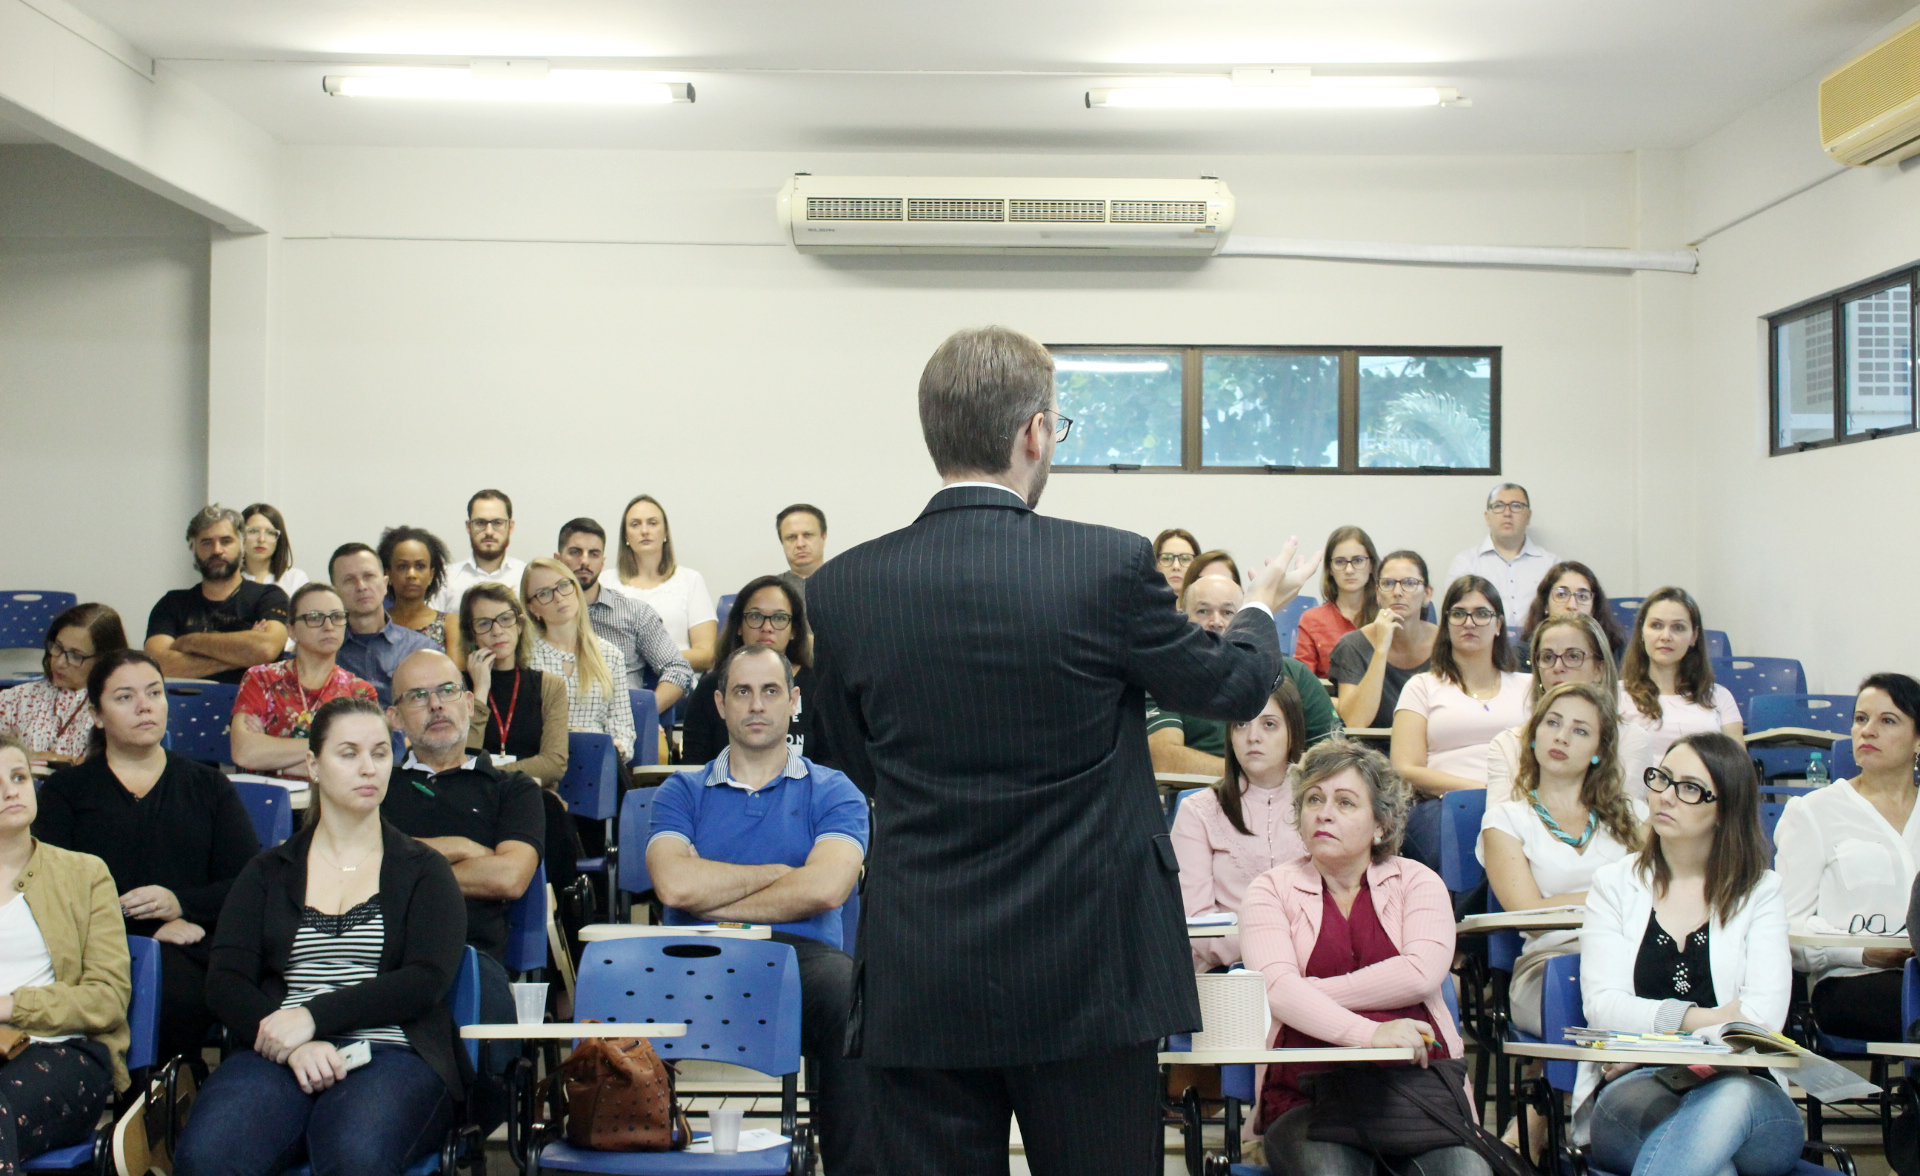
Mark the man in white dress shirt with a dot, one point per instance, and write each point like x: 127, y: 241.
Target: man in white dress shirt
x: 1508, y: 559
x: 489, y: 530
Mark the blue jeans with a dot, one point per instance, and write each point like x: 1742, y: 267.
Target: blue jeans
x: 252, y: 1119
x: 1742, y: 1123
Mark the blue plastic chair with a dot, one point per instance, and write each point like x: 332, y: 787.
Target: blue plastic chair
x: 646, y: 726
x: 1461, y: 812
x: 1626, y: 610
x: 1840, y: 761
x: 1173, y: 809
x: 1770, y: 811
x: 1748, y: 678
x: 1821, y: 712
x: 699, y: 982
x: 636, y: 815
x: 527, y: 927
x: 198, y: 716
x: 143, y: 1049
x: 1719, y: 644
x: 723, y: 611
x: 1287, y: 621
x: 27, y: 613
x: 591, y: 788
x: 271, y: 808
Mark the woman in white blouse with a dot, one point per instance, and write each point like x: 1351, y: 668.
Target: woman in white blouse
x: 1446, y: 717
x: 1846, y: 855
x: 564, y: 645
x: 1569, y: 647
x: 51, y: 714
x: 679, y: 594
x: 268, y: 551
x: 1242, y: 827
x: 1666, y: 683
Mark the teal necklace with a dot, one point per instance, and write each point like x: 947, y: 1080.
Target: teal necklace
x: 1553, y: 826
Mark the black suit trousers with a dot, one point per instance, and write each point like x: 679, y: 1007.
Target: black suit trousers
x: 1092, y: 1116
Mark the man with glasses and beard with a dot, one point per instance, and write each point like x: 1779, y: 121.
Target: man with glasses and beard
x: 226, y: 623
x: 489, y: 530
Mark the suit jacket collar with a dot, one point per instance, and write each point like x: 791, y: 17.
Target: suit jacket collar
x: 961, y: 497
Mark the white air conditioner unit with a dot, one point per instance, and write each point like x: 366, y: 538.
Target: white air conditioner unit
x: 1870, y: 107
x: 892, y: 214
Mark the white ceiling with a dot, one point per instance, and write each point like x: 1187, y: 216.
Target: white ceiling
x: 1009, y: 75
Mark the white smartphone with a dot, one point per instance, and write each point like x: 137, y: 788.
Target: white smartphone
x: 356, y: 1054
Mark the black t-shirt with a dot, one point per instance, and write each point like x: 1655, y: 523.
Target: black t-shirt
x: 704, y: 733
x: 1348, y: 664
x: 482, y: 804
x: 187, y: 610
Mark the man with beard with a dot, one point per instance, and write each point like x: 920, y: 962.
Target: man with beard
x: 226, y: 623
x: 628, y: 623
x: 489, y: 530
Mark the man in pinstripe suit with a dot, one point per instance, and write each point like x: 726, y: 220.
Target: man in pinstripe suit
x: 1022, y: 947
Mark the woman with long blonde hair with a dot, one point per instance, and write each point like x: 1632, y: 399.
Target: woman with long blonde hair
x: 564, y: 645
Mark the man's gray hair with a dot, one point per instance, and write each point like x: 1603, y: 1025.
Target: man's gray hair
x: 981, y: 386
x: 1495, y: 493
x: 210, y: 514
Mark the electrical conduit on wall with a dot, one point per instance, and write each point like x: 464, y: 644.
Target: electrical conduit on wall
x: 1682, y: 261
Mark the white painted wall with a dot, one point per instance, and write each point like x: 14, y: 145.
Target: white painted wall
x: 103, y: 329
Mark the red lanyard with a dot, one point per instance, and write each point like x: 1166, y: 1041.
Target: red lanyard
x: 77, y: 708
x: 512, y: 706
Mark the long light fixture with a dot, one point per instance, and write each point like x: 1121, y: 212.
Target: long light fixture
x: 511, y: 81
x: 1270, y: 88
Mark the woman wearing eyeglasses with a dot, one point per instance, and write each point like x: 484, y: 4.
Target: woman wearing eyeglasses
x: 519, y: 713
x: 1571, y: 587
x: 277, y: 701
x: 51, y: 715
x: 1569, y: 647
x: 764, y: 613
x: 1846, y: 858
x: 268, y: 552
x: 1689, y: 933
x: 1371, y: 666
x: 1173, y: 552
x: 1349, y: 586
x: 1448, y: 715
x: 1666, y: 681
x: 564, y: 645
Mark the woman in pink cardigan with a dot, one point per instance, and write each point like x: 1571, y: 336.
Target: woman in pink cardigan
x: 1355, y: 943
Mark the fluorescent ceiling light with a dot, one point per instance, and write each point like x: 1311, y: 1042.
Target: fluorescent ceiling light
x: 1317, y: 95
x: 512, y: 82
x: 1109, y: 365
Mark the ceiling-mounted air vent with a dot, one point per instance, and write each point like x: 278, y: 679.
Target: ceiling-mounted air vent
x: 1159, y: 212
x: 1057, y: 211
x: 1870, y: 107
x: 853, y: 208
x: 956, y: 210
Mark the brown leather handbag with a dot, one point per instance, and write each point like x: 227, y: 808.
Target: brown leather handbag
x: 620, y: 1097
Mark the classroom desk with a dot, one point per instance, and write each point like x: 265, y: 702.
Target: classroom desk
x: 1893, y: 1049
x: 1212, y: 930
x: 1811, y: 939
x: 1650, y: 1057
x: 1180, y: 781
x: 568, y: 1031
x: 1268, y: 1057
x: 1520, y: 921
x: 1369, y: 732
x: 595, y: 932
x: 647, y: 775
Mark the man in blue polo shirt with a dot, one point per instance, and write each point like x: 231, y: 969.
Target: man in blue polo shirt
x: 764, y: 836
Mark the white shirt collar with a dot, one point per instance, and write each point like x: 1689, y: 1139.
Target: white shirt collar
x: 1526, y: 549
x: 721, y: 770
x: 413, y: 764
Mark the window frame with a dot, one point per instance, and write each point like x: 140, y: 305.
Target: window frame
x: 1192, y: 376
x: 1833, y: 305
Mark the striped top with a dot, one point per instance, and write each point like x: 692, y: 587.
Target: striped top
x: 331, y: 952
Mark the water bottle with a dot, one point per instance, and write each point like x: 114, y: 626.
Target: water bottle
x: 1817, y: 772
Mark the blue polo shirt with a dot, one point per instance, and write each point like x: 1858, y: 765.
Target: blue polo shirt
x: 779, y: 822
x: 375, y: 656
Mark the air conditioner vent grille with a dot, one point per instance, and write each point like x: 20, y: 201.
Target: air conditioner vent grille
x: 1869, y: 87
x: 956, y: 210
x: 1057, y: 211
x: 1165, y: 212
x: 853, y: 208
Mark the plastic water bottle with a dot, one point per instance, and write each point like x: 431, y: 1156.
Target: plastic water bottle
x: 1817, y: 771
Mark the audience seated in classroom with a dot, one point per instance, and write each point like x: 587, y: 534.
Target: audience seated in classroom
x: 565, y: 645
x: 1349, y: 594
x: 1507, y: 558
x: 623, y: 620
x: 415, y: 561
x: 65, y: 979
x: 719, y: 850
x: 1213, y: 563
x: 1689, y: 933
x: 1666, y: 683
x: 1227, y: 835
x: 269, y: 550
x: 349, y: 932
x: 277, y: 701
x: 1371, y: 666
x: 519, y: 713
x: 765, y: 612
x: 172, y: 832
x: 802, y: 528
x: 1355, y: 912
x: 224, y: 624
x: 374, y: 645
x: 1570, y: 647
x: 1845, y: 855
x: 50, y: 715
x: 650, y: 572
x: 1189, y: 743
x: 489, y: 532
x: 1571, y: 586
x: 1174, y: 550
x: 1446, y: 717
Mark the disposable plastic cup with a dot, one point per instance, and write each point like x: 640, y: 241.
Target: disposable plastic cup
x: 724, y: 1123
x: 529, y: 1003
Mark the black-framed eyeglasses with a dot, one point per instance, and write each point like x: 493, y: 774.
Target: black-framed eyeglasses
x: 73, y: 657
x: 756, y: 619
x: 1689, y: 791
x: 417, y: 698
x: 1410, y: 584
x: 547, y: 595
x: 1573, y: 659
x: 1577, y: 595
x: 1062, y: 425
x: 488, y: 524
x: 1350, y: 563
x: 1507, y: 507
x: 1174, y: 559
x: 1874, y: 924
x: 484, y: 625
x: 1474, y: 618
x: 315, y: 620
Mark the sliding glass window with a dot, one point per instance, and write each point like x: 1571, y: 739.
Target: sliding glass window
x: 1842, y: 366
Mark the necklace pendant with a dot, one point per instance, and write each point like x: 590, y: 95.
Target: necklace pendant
x: 348, y: 869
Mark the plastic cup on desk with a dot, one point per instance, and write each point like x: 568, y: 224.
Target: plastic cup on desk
x: 724, y: 1124
x: 529, y: 1004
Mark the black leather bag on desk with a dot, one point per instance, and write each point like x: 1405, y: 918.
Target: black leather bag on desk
x: 1400, y: 1111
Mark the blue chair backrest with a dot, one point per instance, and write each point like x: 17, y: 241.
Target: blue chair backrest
x: 1626, y: 610
x: 1451, y: 996
x: 1560, y: 1010
x: 739, y: 998
x: 591, y: 786
x: 271, y: 809
x: 1910, y: 993
x: 1461, y: 812
x: 646, y: 726
x: 27, y: 613
x: 724, y: 609
x: 1748, y: 678
x: 1503, y: 947
x: 143, y: 1011
x: 1719, y: 644
x: 1840, y: 765
x: 636, y: 814
x: 1822, y: 712
x: 464, y: 998
x: 527, y: 925
x: 1286, y: 622
x: 198, y: 716
x: 1770, y: 811
x: 1178, y: 800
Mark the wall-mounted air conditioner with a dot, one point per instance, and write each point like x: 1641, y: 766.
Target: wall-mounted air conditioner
x: 1870, y: 107
x: 890, y: 214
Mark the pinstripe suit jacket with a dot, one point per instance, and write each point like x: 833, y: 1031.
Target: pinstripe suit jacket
x: 986, y: 668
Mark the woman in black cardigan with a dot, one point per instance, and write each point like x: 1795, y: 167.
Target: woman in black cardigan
x: 348, y: 934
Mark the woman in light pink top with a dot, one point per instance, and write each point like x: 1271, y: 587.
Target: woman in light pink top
x: 1230, y: 834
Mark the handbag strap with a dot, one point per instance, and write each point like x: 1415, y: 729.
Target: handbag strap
x: 1455, y: 1114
